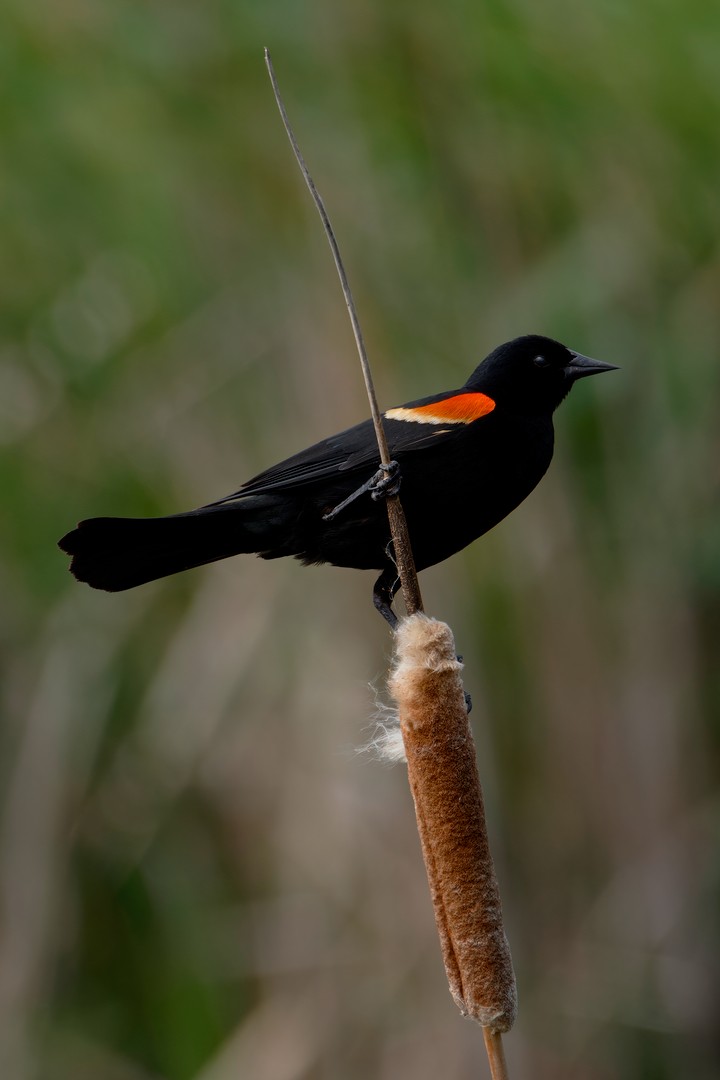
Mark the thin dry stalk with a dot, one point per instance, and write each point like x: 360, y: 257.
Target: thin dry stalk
x: 442, y: 769
x: 496, y: 1054
x: 398, y: 526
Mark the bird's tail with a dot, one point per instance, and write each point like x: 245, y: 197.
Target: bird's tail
x: 119, y: 553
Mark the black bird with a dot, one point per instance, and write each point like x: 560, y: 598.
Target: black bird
x: 466, y: 458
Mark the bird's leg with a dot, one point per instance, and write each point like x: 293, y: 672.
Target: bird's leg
x: 384, y: 482
x: 383, y: 593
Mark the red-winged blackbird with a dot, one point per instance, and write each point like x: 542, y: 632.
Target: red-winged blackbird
x: 466, y: 458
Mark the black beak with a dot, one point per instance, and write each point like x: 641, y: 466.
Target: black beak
x: 580, y: 366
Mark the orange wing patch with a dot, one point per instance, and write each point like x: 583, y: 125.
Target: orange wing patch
x: 461, y: 409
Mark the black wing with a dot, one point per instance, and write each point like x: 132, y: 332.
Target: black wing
x: 356, y: 450
x: 410, y: 428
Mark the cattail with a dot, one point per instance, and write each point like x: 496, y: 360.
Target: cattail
x: 426, y: 684
x: 428, y: 689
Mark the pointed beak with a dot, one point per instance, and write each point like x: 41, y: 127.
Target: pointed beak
x: 580, y: 366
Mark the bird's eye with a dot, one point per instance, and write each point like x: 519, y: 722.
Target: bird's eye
x: 541, y: 361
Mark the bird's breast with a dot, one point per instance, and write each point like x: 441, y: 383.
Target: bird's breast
x: 471, y: 482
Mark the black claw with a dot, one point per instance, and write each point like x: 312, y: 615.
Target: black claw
x: 468, y: 703
x: 387, y: 613
x: 383, y: 592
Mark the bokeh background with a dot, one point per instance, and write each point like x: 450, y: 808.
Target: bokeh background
x: 201, y: 877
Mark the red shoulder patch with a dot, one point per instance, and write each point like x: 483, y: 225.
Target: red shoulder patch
x: 460, y: 409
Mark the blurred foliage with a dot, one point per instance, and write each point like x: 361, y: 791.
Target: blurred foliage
x: 200, y: 879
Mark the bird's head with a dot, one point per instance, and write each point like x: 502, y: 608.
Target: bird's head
x: 532, y: 374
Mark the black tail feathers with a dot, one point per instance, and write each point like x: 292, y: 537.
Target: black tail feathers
x: 119, y: 553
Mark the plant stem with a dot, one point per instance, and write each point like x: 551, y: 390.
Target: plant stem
x: 496, y: 1054
x: 396, y: 516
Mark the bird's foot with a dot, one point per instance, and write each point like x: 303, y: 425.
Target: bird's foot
x: 386, y: 611
x: 383, y: 592
x: 385, y: 482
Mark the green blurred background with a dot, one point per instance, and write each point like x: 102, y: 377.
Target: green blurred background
x: 201, y: 878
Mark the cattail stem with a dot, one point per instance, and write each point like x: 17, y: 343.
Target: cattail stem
x: 496, y: 1054
x: 396, y: 516
x: 442, y: 770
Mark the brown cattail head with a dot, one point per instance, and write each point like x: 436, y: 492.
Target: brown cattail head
x: 426, y: 685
